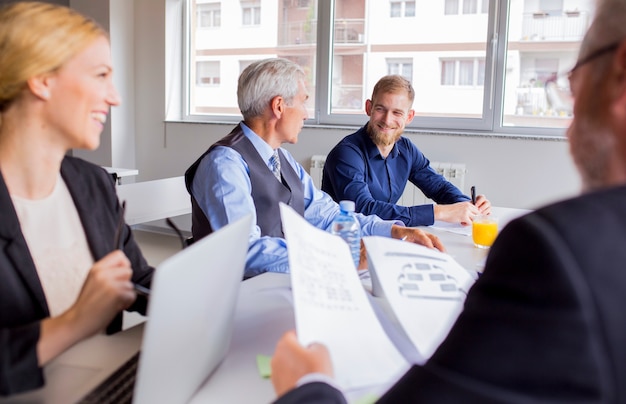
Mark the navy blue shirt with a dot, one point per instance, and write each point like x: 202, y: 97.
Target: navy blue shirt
x: 355, y: 170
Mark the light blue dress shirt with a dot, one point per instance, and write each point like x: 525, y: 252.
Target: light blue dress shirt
x: 223, y: 190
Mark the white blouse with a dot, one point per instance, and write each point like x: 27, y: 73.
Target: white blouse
x: 57, y: 244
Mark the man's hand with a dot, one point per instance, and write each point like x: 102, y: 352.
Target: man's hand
x: 417, y: 236
x: 291, y: 361
x: 462, y: 212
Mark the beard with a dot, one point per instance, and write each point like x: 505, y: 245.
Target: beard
x: 591, y: 147
x: 382, y: 139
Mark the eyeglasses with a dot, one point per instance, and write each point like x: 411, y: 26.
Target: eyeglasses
x: 592, y: 56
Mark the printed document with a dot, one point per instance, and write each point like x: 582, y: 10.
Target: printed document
x: 424, y: 288
x: 331, y: 307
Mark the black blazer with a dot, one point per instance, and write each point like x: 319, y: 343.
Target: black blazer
x: 544, y: 323
x: 22, y: 300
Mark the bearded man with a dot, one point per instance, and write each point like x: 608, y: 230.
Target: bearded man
x: 372, y: 166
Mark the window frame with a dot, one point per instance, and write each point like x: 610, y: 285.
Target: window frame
x: 492, y: 119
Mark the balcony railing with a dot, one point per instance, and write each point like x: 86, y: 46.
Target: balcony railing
x: 298, y: 33
x: 548, y: 26
x: 347, y: 31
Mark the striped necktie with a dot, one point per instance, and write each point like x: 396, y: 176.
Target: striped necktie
x: 275, y: 161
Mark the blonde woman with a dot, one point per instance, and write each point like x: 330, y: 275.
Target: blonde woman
x: 63, y: 278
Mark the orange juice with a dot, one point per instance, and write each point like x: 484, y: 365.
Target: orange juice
x: 484, y: 231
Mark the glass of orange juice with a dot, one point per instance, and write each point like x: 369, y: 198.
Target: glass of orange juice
x: 484, y: 230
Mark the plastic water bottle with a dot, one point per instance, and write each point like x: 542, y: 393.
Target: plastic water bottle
x: 348, y: 228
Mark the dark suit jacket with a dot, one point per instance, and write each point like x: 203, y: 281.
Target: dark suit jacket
x: 22, y: 300
x: 544, y: 323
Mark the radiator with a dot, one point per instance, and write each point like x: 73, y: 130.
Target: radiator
x: 317, y: 164
x: 453, y: 172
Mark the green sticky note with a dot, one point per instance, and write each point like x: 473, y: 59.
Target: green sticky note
x: 367, y: 399
x: 263, y: 364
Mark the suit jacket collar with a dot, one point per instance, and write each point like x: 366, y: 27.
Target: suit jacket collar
x: 15, y: 247
x: 80, y: 190
x: 13, y: 242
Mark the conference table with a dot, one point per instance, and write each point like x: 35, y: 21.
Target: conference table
x: 264, y: 312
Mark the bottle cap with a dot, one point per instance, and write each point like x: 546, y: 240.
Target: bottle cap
x: 346, y: 206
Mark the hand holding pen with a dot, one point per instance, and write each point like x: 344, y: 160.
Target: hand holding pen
x: 480, y: 201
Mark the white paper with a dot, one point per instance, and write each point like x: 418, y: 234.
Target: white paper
x: 456, y: 228
x: 331, y: 307
x: 425, y: 288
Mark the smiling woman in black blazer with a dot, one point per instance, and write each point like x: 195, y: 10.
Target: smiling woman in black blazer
x: 62, y: 277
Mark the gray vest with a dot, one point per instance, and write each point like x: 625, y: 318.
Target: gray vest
x: 267, y: 192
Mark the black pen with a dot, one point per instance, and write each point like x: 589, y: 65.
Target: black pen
x: 473, y: 193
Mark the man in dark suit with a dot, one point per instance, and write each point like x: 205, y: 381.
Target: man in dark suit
x: 544, y: 323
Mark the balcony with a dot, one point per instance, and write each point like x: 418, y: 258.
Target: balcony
x: 554, y: 26
x: 349, y: 31
x: 298, y: 33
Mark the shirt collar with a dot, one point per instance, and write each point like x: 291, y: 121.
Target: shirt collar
x: 264, y: 149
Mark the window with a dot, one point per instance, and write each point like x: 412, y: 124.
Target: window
x: 451, y: 7
x: 207, y: 73
x: 403, y: 67
x: 475, y: 65
x: 471, y: 72
x: 208, y: 15
x: 402, y: 9
x: 469, y: 7
x: 454, y: 7
x: 251, y: 13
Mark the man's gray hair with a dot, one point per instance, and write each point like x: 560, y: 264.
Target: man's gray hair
x: 265, y: 79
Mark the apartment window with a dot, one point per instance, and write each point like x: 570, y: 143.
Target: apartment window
x: 551, y: 7
x: 454, y: 7
x: 208, y: 15
x: 469, y: 7
x: 402, y: 9
x: 471, y: 70
x: 463, y: 72
x: 251, y: 13
x: 402, y: 67
x: 207, y: 73
x: 451, y: 7
x: 448, y: 72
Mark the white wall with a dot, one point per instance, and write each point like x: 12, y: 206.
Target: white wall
x: 516, y: 172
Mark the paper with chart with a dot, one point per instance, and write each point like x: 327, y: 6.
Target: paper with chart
x: 425, y: 288
x: 331, y: 307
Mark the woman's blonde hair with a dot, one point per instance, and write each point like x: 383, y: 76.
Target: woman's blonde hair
x: 38, y: 38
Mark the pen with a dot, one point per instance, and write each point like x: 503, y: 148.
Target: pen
x: 473, y: 191
x: 141, y: 290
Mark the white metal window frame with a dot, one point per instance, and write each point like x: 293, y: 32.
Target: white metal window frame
x: 494, y: 64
